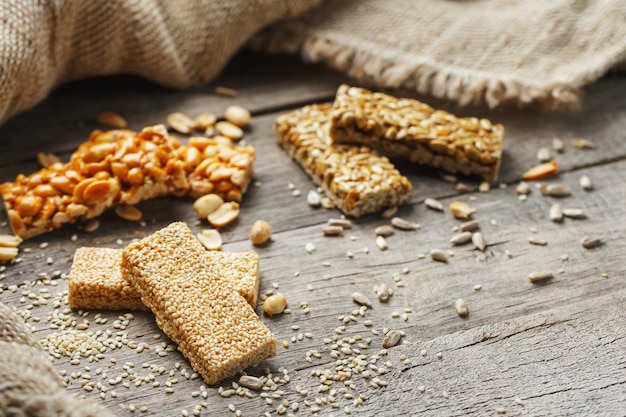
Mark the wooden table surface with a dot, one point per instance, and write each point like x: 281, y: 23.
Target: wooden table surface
x: 558, y: 348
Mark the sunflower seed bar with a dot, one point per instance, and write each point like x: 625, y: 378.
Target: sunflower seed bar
x: 124, y: 167
x: 355, y: 178
x: 214, y: 327
x: 96, y: 280
x: 415, y: 130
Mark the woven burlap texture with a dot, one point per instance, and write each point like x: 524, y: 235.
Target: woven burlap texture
x: 176, y: 43
x: 469, y: 51
x: 30, y: 386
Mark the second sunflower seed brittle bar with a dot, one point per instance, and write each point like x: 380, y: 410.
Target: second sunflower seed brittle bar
x: 124, y: 167
x: 96, y: 280
x: 214, y: 327
x: 412, y: 129
x: 358, y: 180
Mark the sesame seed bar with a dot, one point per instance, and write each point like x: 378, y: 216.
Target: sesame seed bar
x: 357, y: 179
x: 124, y: 167
x: 96, y: 280
x: 213, y: 325
x: 415, y: 130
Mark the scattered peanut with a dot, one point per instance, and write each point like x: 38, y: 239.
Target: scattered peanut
x: 207, y: 204
x: 237, y: 115
x: 7, y: 254
x: 46, y: 159
x: 274, y: 304
x: 461, y: 210
x: 260, y: 232
x: 112, y: 120
x: 224, y: 214
x: 210, y: 239
x: 180, y: 122
x: 581, y: 143
x: 229, y: 130
x: 10, y: 241
x: 204, y: 121
x: 128, y: 212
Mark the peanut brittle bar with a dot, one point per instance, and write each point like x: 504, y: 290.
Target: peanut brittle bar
x: 358, y: 180
x: 415, y: 130
x: 213, y: 325
x: 96, y: 280
x: 124, y: 167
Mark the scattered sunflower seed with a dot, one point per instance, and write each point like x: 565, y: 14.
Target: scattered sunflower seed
x: 460, y: 307
x: 580, y: 143
x: 439, y: 255
x: 433, y: 204
x: 251, y: 382
x: 558, y: 145
x: 574, y: 213
x: 555, y: 190
x: 461, y: 187
x: 314, y: 198
x: 484, y: 187
x: 469, y: 226
x: 461, y: 238
x: 391, y: 339
x: 543, y: 154
x: 384, y: 230
x: 541, y: 171
x: 344, y: 223
x: 556, y: 213
x: 390, y: 212
x: 522, y: 188
x: 540, y: 276
x: 533, y: 240
x: 381, y: 242
x: 402, y: 224
x: 479, y: 241
x: 361, y: 299
x: 332, y: 230
x: 585, y: 183
x: 591, y: 242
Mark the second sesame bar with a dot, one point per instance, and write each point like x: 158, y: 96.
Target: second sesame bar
x: 357, y: 179
x: 415, y: 130
x: 96, y: 280
x: 215, y: 328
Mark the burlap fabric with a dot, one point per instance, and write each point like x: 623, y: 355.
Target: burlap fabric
x: 472, y: 51
x: 29, y: 384
x: 177, y: 43
x: 492, y: 51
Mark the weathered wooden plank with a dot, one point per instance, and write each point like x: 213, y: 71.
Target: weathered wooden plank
x: 563, y: 361
x: 67, y: 116
x: 427, y: 295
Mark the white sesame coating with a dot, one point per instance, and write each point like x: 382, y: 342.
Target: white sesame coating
x: 214, y: 326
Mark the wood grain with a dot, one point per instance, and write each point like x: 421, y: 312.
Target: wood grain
x: 558, y: 346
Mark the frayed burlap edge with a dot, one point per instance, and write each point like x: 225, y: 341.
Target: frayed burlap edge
x: 463, y: 87
x: 426, y: 77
